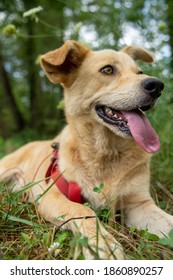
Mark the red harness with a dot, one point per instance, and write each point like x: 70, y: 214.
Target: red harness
x: 70, y: 189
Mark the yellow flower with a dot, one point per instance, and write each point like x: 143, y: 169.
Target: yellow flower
x: 9, y: 30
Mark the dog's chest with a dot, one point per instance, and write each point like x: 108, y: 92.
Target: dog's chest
x: 110, y: 183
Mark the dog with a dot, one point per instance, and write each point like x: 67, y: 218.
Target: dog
x: 107, y: 143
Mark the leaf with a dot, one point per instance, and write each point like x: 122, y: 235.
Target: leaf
x: 19, y: 220
x: 168, y: 240
x: 147, y: 235
x: 61, y: 105
x: 152, y: 236
x: 143, y: 232
x: 63, y: 236
x: 87, y: 204
x: 96, y: 190
x: 164, y: 241
x: 99, y: 189
x: 26, y: 237
x: 171, y: 234
x: 101, y: 186
x: 77, y: 27
x: 132, y: 229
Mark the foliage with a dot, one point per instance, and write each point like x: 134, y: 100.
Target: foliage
x: 99, y: 189
x: 168, y: 241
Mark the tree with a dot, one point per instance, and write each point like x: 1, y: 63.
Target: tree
x: 9, y: 96
x: 24, y: 74
x: 170, y: 29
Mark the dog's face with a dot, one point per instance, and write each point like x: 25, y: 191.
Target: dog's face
x: 108, y: 87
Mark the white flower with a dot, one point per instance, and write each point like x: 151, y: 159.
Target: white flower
x: 53, y: 247
x: 32, y: 11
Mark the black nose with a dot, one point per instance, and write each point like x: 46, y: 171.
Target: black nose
x: 153, y: 87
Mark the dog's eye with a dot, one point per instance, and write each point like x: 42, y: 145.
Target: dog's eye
x: 140, y: 72
x: 107, y: 70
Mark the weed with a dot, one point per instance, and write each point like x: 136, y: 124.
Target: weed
x: 168, y: 240
x: 98, y: 189
x: 25, y: 235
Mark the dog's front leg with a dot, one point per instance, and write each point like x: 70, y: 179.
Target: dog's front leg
x: 142, y: 213
x: 57, y: 209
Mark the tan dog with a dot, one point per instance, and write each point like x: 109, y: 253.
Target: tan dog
x: 107, y: 140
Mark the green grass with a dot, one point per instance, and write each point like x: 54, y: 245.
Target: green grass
x: 25, y: 235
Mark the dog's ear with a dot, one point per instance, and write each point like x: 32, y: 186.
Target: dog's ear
x: 60, y: 63
x: 138, y: 53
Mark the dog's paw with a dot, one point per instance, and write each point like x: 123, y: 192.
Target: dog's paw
x: 104, y: 248
x: 163, y: 227
x: 110, y: 250
x: 152, y: 218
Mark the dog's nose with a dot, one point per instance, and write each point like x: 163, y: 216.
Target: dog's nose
x: 153, y: 87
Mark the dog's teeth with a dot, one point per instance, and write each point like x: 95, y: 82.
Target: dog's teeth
x: 115, y: 116
x: 120, y: 118
x: 109, y: 111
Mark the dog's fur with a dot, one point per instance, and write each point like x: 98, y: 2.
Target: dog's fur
x: 93, y: 151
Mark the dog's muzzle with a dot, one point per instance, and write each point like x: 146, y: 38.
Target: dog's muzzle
x: 132, y: 121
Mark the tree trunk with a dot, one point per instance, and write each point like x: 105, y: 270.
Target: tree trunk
x: 30, y: 54
x: 32, y: 80
x: 170, y: 29
x: 17, y: 115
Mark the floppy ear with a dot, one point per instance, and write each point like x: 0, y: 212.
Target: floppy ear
x: 58, y: 64
x: 138, y: 53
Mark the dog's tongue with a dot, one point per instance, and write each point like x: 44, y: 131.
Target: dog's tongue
x: 142, y: 131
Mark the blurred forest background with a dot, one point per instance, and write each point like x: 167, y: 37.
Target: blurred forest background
x: 30, y: 105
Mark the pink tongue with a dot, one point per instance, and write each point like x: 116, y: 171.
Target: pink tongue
x: 142, y: 131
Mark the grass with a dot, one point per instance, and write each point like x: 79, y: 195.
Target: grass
x: 25, y: 235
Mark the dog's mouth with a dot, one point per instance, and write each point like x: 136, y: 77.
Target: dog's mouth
x: 133, y: 123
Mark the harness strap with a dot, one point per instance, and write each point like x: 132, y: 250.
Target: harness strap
x: 70, y: 189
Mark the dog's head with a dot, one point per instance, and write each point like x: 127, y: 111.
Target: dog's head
x: 108, y: 86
